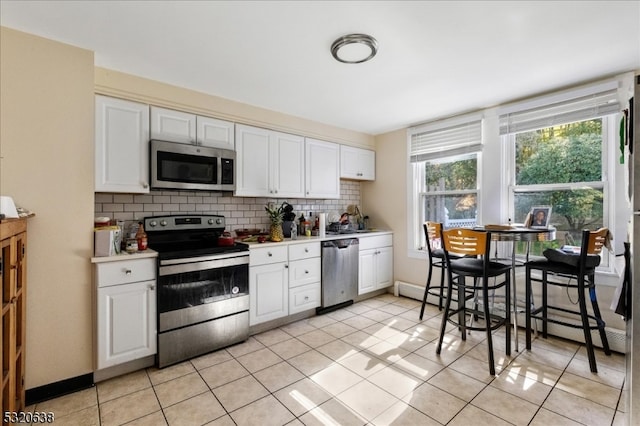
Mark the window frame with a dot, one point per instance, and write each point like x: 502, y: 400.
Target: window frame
x: 415, y: 175
x: 607, y: 183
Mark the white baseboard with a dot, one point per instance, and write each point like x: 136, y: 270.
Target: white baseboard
x: 617, y: 338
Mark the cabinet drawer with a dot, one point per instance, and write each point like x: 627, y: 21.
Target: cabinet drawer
x: 303, y: 298
x: 375, y: 241
x: 262, y: 256
x: 125, y: 271
x: 304, y: 251
x: 305, y: 271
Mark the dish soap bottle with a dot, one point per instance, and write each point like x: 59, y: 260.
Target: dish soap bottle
x: 141, y: 237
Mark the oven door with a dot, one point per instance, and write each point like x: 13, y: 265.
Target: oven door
x: 183, y: 166
x: 197, y: 291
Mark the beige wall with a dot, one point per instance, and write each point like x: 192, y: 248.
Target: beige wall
x: 46, y: 144
x: 385, y: 201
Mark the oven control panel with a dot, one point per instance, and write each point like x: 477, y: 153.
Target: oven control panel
x: 184, y: 222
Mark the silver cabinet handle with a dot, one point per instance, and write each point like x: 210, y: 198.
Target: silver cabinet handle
x: 269, y: 254
x: 286, y: 266
x: 306, y: 272
x: 306, y: 250
x: 127, y: 271
x: 152, y: 287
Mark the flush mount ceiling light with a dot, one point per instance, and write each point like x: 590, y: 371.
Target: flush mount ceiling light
x: 354, y: 48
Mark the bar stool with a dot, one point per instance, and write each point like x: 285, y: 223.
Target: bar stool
x: 433, y: 235
x: 468, y: 243
x: 565, y: 268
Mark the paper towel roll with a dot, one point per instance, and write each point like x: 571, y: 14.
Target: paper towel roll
x: 322, y: 224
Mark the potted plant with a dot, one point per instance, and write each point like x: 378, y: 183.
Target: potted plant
x: 275, y: 216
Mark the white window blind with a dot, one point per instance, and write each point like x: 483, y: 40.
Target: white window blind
x: 439, y: 140
x: 580, y: 108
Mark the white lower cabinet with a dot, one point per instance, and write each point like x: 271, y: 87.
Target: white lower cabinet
x: 283, y: 280
x: 126, y: 311
x: 305, y: 272
x: 268, y: 284
x: 375, y: 268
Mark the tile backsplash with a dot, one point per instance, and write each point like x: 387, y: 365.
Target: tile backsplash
x: 239, y: 212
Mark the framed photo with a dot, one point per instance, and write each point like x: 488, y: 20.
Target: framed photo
x: 540, y: 216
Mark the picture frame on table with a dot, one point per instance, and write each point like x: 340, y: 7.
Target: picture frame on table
x: 539, y: 217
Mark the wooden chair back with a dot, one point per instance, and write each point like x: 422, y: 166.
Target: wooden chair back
x: 464, y: 241
x: 433, y: 235
x: 597, y: 240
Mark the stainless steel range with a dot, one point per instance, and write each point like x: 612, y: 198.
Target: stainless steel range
x: 203, y: 286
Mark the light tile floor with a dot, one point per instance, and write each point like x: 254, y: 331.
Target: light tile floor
x: 372, y: 363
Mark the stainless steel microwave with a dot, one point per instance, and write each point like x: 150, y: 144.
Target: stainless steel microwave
x: 183, y: 166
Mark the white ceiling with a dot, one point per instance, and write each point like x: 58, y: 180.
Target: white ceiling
x: 436, y: 58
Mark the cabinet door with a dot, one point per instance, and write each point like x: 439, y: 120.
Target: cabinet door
x: 322, y: 169
x: 126, y: 322
x: 252, y: 161
x: 215, y: 133
x: 121, y: 146
x: 287, y: 165
x: 367, y: 161
x: 384, y: 267
x: 174, y: 126
x: 357, y: 163
x: 366, y: 271
x: 269, y: 292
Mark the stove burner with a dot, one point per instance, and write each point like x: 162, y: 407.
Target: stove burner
x: 183, y: 236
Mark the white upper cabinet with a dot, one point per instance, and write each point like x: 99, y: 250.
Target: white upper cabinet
x: 322, y: 169
x: 215, y: 133
x: 184, y: 127
x: 268, y: 163
x: 357, y: 163
x: 121, y: 146
x: 174, y: 126
x: 287, y: 165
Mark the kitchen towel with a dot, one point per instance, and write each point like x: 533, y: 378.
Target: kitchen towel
x: 322, y: 224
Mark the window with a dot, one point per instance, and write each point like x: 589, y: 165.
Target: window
x: 444, y: 163
x: 559, y: 159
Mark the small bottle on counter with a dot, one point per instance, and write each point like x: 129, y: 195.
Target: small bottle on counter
x: 294, y: 231
x: 141, y: 237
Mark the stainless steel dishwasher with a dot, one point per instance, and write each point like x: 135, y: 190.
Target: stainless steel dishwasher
x: 339, y: 273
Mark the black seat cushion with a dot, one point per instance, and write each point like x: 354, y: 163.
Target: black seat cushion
x: 474, y: 266
x: 571, y: 259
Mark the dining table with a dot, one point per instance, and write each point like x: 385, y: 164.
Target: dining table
x: 515, y: 234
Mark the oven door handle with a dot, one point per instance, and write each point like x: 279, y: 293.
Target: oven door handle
x: 202, y: 266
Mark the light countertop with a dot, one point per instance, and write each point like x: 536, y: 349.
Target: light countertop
x: 125, y: 256
x: 304, y: 239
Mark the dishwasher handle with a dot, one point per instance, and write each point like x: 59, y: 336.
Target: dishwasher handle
x: 341, y: 243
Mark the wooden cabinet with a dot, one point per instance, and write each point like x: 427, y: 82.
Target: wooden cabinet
x: 357, y: 163
x: 126, y: 310
x: 268, y: 284
x: 13, y: 266
x: 375, y: 268
x: 304, y: 277
x: 269, y: 163
x: 121, y: 146
x: 322, y: 169
x: 184, y: 127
